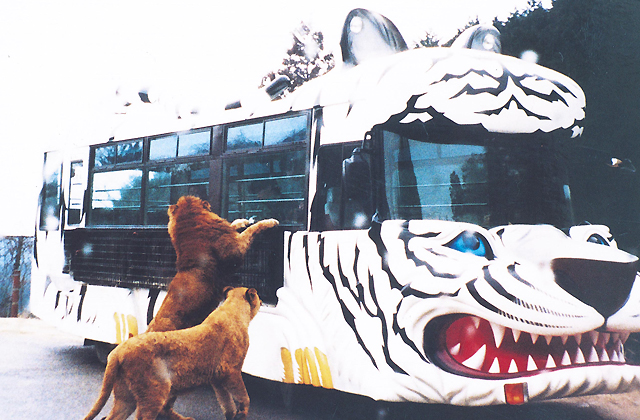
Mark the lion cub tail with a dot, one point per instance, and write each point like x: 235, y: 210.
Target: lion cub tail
x: 110, y: 376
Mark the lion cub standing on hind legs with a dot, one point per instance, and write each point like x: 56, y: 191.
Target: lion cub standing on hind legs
x: 149, y: 369
x: 209, y: 250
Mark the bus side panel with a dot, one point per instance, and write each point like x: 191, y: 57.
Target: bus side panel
x: 99, y: 313
x: 305, y: 339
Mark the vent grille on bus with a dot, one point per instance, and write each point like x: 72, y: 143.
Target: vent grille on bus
x: 121, y: 257
x: 145, y: 258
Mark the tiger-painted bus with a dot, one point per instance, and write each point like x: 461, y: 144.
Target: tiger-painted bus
x: 426, y: 250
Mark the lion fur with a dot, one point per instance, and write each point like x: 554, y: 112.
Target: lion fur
x: 148, y: 370
x: 209, y: 250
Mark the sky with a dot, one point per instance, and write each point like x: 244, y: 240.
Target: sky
x: 67, y: 66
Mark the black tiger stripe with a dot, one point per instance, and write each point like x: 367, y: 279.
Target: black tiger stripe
x: 515, y: 275
x: 405, y: 338
x: 385, y: 330
x: 406, y: 236
x: 348, y: 316
x: 305, y: 246
x: 376, y: 238
x: 471, y: 287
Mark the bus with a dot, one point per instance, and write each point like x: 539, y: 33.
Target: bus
x: 426, y: 249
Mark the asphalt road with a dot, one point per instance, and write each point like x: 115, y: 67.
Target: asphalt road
x: 46, y: 374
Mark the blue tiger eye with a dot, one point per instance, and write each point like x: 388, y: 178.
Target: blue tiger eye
x: 472, y: 243
x: 597, y: 239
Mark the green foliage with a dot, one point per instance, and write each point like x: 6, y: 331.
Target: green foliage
x: 305, y: 60
x: 597, y: 44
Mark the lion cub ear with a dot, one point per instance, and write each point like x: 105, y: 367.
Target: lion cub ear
x: 226, y: 291
x: 251, y: 294
x: 206, y: 205
x: 172, y: 208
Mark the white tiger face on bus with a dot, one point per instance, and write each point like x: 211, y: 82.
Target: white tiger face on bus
x: 478, y: 307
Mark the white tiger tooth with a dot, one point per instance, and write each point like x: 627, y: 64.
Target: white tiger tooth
x: 516, y: 335
x: 579, y: 356
x: 534, y: 338
x: 592, y: 357
x: 566, y: 360
x: 550, y: 363
x: 615, y: 357
x: 548, y: 338
x: 455, y: 350
x: 513, y: 368
x: 531, y: 364
x: 498, y: 333
x: 578, y: 338
x: 605, y: 337
x: 476, y: 321
x: 476, y: 361
x: 594, y: 337
x: 564, y: 339
x: 495, y: 366
x: 604, y: 357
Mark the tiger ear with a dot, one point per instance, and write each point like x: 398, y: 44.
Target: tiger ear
x: 226, y: 291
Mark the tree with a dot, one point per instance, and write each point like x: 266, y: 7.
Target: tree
x: 595, y: 42
x: 305, y: 60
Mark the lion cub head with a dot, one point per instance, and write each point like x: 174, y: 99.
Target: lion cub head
x: 239, y: 294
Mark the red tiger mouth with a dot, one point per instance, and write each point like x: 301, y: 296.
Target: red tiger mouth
x: 472, y: 346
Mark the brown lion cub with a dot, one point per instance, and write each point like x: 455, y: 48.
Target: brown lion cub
x: 209, y: 250
x: 148, y: 370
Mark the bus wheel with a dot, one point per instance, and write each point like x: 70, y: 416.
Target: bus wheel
x: 102, y: 349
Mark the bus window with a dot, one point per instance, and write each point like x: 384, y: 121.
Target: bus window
x: 435, y: 181
x: 105, y: 156
x: 488, y: 180
x: 50, y: 196
x: 165, y: 185
x: 76, y: 192
x: 129, y: 152
x: 285, y: 130
x: 163, y: 147
x: 244, y: 136
x: 194, y: 143
x: 332, y: 209
x: 273, y: 132
x: 267, y: 186
x: 115, y: 198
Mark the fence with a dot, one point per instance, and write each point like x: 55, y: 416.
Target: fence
x: 15, y: 274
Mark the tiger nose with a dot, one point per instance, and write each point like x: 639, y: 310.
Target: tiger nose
x: 603, y: 285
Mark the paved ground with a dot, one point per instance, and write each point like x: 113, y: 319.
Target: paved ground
x: 46, y: 374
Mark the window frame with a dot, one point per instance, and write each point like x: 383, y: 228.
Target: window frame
x: 217, y: 157
x: 233, y: 155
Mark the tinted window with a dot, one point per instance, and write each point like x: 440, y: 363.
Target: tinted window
x: 267, y: 186
x: 130, y: 152
x: 167, y: 184
x: 285, y: 130
x: 77, y: 183
x: 435, y: 181
x: 244, y: 136
x: 163, y: 147
x: 116, y: 197
x: 194, y: 143
x: 105, y: 155
x: 50, y: 198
